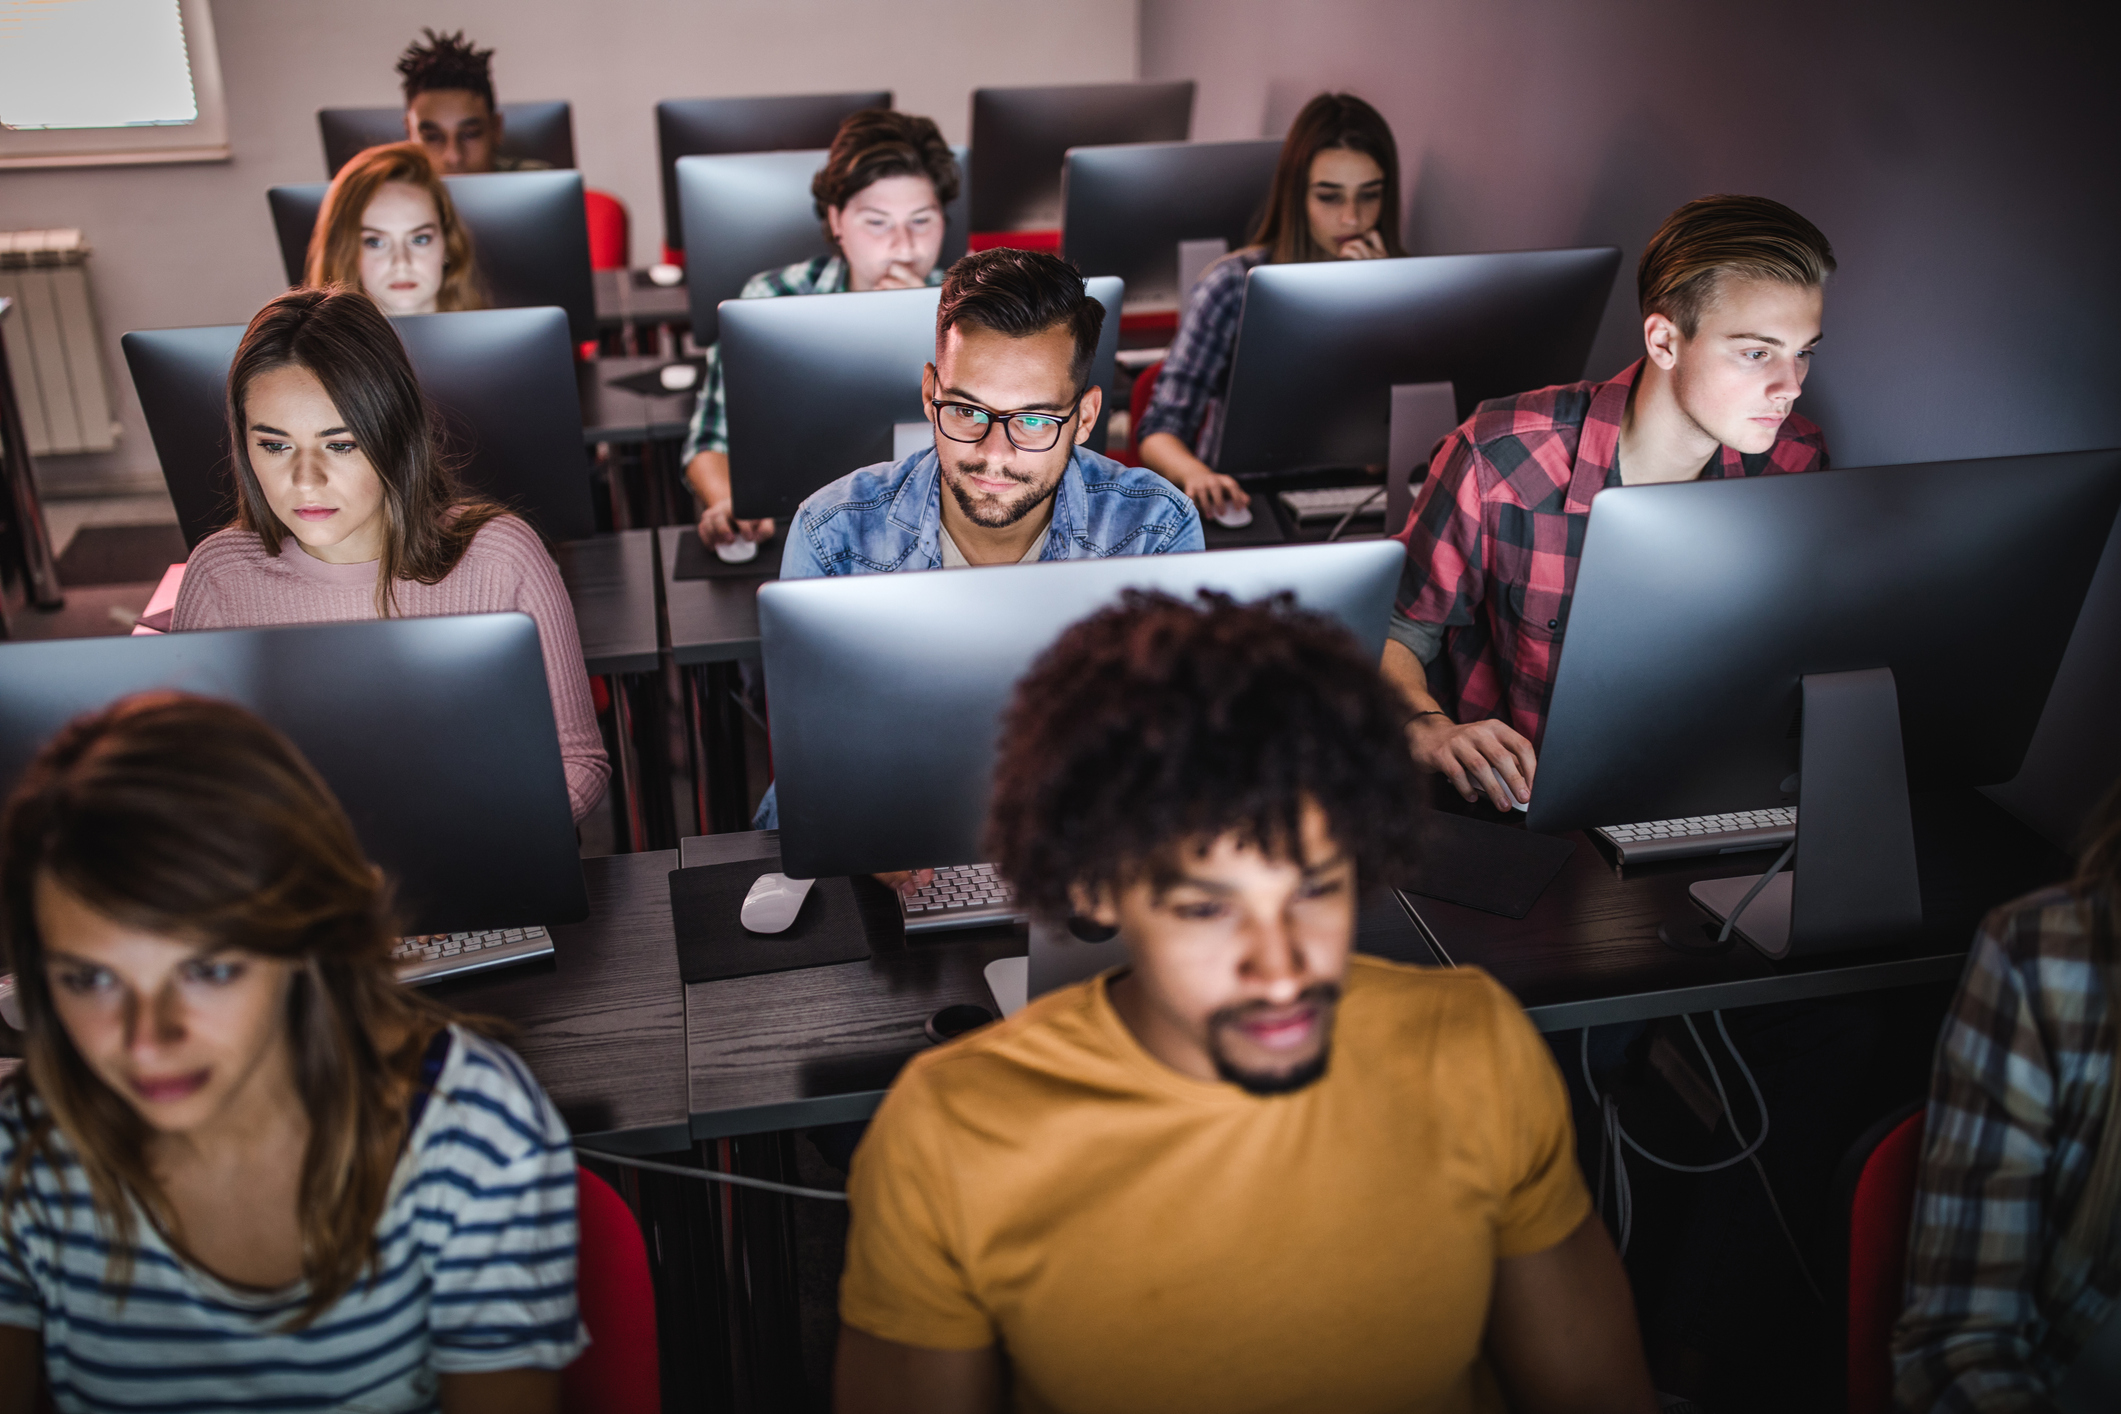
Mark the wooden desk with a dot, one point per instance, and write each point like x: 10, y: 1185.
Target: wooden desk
x: 611, y: 581
x: 714, y: 623
x: 1588, y: 953
x: 630, y: 297
x: 614, y: 414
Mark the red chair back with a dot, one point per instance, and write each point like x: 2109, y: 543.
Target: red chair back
x: 617, y: 1374
x: 1048, y: 241
x: 1879, y: 1214
x: 1137, y: 404
x: 609, y: 237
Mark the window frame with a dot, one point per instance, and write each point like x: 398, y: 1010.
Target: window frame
x: 205, y: 139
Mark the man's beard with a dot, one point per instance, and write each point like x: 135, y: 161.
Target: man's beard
x: 987, y: 516
x: 1325, y: 996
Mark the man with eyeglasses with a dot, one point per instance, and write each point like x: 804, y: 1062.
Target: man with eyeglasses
x: 1008, y: 480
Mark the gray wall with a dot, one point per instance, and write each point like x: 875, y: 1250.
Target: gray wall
x: 189, y: 245
x: 1962, y: 161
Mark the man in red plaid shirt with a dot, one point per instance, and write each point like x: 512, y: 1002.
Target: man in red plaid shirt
x: 1731, y: 295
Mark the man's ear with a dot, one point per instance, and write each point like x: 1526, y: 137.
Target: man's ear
x: 412, y: 125
x: 832, y: 225
x: 1661, y: 340
x: 930, y: 381
x: 1093, y: 403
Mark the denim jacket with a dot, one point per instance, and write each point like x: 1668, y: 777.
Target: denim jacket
x: 889, y: 517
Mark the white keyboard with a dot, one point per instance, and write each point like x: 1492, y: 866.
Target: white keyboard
x: 1333, y: 502
x: 1702, y: 834
x: 962, y: 896
x: 440, y: 955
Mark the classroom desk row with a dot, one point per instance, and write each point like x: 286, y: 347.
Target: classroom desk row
x: 641, y: 1062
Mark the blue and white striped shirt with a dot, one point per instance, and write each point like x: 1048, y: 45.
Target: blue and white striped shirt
x: 477, y: 1272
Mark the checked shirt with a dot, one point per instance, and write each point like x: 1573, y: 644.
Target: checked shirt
x: 826, y: 275
x: 2018, y: 1101
x: 1497, y: 531
x: 1187, y: 402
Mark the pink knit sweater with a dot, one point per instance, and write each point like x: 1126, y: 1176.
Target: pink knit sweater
x: 230, y: 582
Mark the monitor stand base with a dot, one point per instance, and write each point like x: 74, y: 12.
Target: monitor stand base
x: 1765, y: 924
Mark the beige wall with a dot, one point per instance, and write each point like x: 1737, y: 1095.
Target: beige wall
x: 193, y: 245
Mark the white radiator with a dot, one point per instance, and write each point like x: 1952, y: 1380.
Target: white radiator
x: 52, y: 347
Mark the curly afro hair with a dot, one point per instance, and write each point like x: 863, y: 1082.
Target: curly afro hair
x: 447, y: 61
x: 1158, y: 726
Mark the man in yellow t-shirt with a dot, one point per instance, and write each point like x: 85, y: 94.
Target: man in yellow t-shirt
x: 1247, y: 1171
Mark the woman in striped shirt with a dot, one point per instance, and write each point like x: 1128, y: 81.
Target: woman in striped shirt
x: 242, y: 1167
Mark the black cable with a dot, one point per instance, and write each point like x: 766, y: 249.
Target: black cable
x: 1353, y: 511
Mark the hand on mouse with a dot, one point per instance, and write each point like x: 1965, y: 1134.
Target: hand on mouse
x: 1213, y: 492
x: 906, y: 881
x: 1487, y: 757
x: 718, y: 527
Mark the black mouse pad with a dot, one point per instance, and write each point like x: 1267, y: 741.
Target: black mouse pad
x: 713, y: 943
x: 1265, y: 528
x: 696, y: 561
x: 648, y: 383
x: 1489, y: 867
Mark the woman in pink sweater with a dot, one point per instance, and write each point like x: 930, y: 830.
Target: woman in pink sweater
x: 345, y: 509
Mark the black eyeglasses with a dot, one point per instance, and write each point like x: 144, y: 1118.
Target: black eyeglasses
x: 1026, y: 431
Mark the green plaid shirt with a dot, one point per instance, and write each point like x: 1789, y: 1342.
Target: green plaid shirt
x: 826, y: 275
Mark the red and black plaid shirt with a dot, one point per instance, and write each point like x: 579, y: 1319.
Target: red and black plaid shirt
x: 1497, y: 531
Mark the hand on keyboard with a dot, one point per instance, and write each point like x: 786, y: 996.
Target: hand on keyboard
x: 1487, y: 757
x: 905, y: 881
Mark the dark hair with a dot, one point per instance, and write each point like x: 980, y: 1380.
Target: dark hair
x: 1159, y: 725
x: 192, y: 819
x: 340, y: 336
x: 447, y: 61
x: 881, y: 142
x: 1328, y: 121
x: 335, y: 241
x: 1714, y: 236
x: 1021, y: 293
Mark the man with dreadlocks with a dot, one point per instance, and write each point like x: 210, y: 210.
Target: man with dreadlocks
x: 450, y: 109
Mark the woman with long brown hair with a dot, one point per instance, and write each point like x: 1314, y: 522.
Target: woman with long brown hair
x: 1335, y: 197
x: 2016, y: 1244
x: 387, y: 226
x: 241, y: 1165
x: 346, y: 509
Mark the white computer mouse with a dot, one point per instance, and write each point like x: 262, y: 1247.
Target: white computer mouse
x: 1520, y: 804
x: 10, y: 1004
x: 677, y: 377
x: 665, y: 275
x: 738, y: 552
x: 773, y: 902
x: 1234, y: 517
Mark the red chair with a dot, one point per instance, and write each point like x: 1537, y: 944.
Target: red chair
x: 1048, y: 241
x: 609, y: 233
x: 617, y: 1374
x: 1880, y: 1209
x: 1137, y: 404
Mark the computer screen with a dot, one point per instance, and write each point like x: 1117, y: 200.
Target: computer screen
x: 528, y: 228
x: 1020, y: 136
x: 1126, y: 208
x: 790, y: 361
x: 501, y: 381
x: 542, y: 132
x: 885, y: 691
x: 699, y: 127
x: 435, y: 734
x: 1708, y: 617
x: 1320, y: 346
x: 753, y: 211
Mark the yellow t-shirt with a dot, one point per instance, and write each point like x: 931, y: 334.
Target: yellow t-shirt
x: 1135, y: 1239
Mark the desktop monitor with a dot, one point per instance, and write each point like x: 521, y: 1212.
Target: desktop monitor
x: 1124, y: 209
x: 753, y: 211
x: 787, y: 361
x: 500, y: 380
x: 1776, y: 640
x: 701, y: 127
x: 435, y: 734
x: 885, y: 691
x: 1021, y: 135
x: 529, y: 229
x: 539, y: 132
x: 1320, y: 346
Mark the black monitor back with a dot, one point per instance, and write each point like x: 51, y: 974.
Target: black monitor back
x: 928, y: 662
x: 1020, y: 137
x: 1126, y: 208
x: 705, y: 127
x: 436, y: 735
x: 1320, y: 346
x: 500, y: 380
x: 749, y: 212
x: 1699, y: 606
x: 529, y: 230
x: 541, y: 132
x: 817, y: 382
